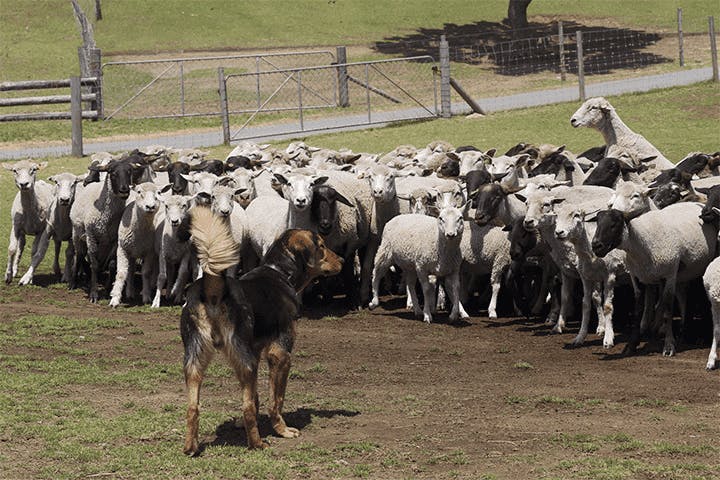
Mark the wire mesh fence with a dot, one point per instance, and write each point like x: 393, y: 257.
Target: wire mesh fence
x: 185, y: 87
x: 332, y: 96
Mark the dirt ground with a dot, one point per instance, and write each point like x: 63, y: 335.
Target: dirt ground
x: 486, y: 399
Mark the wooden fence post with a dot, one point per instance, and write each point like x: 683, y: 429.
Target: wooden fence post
x: 713, y: 49
x: 342, y: 77
x: 561, y: 43
x: 76, y: 116
x: 224, y: 114
x: 680, y: 38
x: 98, y: 10
x: 444, y: 78
x: 581, y: 65
x: 95, y: 68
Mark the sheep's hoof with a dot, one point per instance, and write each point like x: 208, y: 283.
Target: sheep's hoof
x: 710, y: 366
x: 550, y: 321
x: 114, y: 302
x: 608, y: 345
x: 492, y: 315
x: 427, y: 319
x: 8, y: 279
x: 155, y: 304
x: 557, y: 328
x: 600, y: 331
x: 373, y: 304
x: 25, y: 280
x: 94, y: 297
x: 669, y: 351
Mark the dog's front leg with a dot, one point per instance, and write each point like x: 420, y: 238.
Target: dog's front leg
x: 248, y: 379
x: 278, y: 359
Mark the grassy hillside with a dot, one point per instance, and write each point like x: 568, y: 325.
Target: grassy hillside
x: 39, y: 38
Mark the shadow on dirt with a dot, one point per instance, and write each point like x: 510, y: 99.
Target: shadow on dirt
x: 232, y: 432
x: 533, y: 49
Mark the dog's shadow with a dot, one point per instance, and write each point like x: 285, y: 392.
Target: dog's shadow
x: 232, y: 432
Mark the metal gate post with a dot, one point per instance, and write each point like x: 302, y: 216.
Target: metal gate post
x: 300, y: 104
x: 342, y: 78
x: 444, y: 78
x: 224, y: 106
x: 76, y: 116
x: 581, y: 66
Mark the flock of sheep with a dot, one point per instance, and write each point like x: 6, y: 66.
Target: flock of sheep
x: 530, y: 219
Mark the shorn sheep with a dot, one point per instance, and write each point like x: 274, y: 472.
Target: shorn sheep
x: 621, y: 141
x: 422, y: 246
x: 29, y: 211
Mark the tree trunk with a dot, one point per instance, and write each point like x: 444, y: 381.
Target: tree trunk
x: 517, y: 14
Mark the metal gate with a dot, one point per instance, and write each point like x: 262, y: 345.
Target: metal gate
x: 185, y: 87
x: 296, y: 100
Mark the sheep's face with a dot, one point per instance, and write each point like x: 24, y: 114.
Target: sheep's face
x: 324, y: 207
x: 540, y: 207
x: 245, y: 180
x: 591, y: 113
x: 473, y: 160
x: 120, y: 174
x: 631, y: 198
x: 203, y: 183
x: 450, y: 222
x: 504, y: 165
x: 610, y: 232
x: 569, y: 223
x: 25, y: 173
x: 222, y: 200
x: 419, y: 202
x: 176, y: 209
x: 147, y: 197
x: 251, y: 150
x: 382, y: 185
x: 708, y: 214
x: 668, y: 194
x: 489, y: 198
x: 297, y: 188
x: 175, y: 173
x: 65, y: 187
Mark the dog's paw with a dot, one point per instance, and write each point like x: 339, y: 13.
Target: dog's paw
x: 289, y: 432
x: 261, y: 445
x: 192, y: 448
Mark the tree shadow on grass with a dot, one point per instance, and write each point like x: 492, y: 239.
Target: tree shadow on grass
x: 531, y: 50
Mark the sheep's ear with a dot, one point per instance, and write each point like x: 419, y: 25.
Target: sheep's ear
x: 340, y: 198
x: 42, y: 165
x: 433, y: 210
x: 627, y: 168
x: 239, y: 191
x: 648, y: 159
x: 522, y: 159
x: 453, y: 156
x: 52, y: 179
x: 555, y: 201
x: 225, y: 181
x: 716, y: 210
x: 521, y: 197
x: 491, y: 153
x: 704, y: 190
x: 256, y: 173
x: 165, y: 188
x: 81, y: 178
x: 511, y: 189
x: 161, y: 168
x: 591, y: 216
x: 188, y: 177
x: 9, y: 166
x: 96, y: 167
x: 280, y: 178
x: 560, y: 149
x: 403, y: 197
x: 318, y: 181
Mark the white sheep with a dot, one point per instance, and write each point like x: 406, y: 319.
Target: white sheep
x: 422, y: 246
x: 711, y: 280
x: 136, y: 240
x: 58, y: 227
x: 598, y: 275
x: 620, y: 140
x: 172, y: 251
x: 29, y: 211
x: 664, y: 247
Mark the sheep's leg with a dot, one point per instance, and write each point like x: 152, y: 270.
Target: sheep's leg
x: 35, y: 244
x: 597, y: 297
x: 666, y: 310
x: 382, y: 264
x: 588, y: 291
x: 181, y: 280
x: 18, y: 256
x: 441, y: 297
x: 452, y: 283
x: 148, y: 271
x: 411, y: 279
x: 409, y: 292
x: 495, y: 283
x: 12, y: 251
x: 92, y: 252
x: 608, y: 309
x: 565, y: 302
x: 56, y: 260
x: 79, y: 252
x: 638, y: 331
x: 545, y: 289
x: 196, y: 363
x: 162, y: 277
x: 44, y: 240
x: 712, y: 358
x: 367, y: 274
x: 278, y: 359
x: 69, y: 259
x: 428, y: 294
x: 555, y: 302
x: 123, y: 265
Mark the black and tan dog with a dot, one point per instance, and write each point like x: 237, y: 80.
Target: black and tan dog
x: 247, y: 317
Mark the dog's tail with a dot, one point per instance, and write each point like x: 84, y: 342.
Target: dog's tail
x: 216, y: 248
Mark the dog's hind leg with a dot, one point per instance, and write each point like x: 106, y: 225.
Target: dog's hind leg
x: 194, y: 369
x: 278, y: 359
x: 247, y: 374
